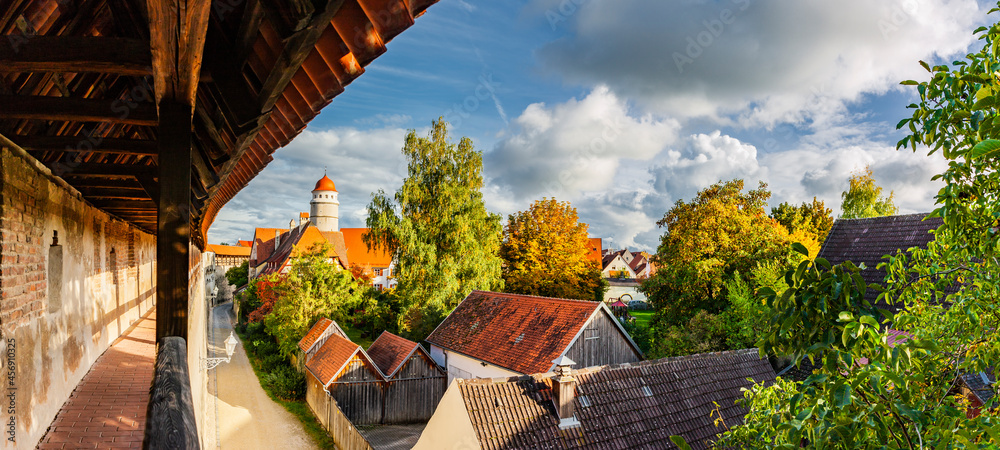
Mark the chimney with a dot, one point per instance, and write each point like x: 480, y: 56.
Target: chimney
x: 277, y: 238
x: 303, y: 218
x: 564, y: 393
x: 291, y: 224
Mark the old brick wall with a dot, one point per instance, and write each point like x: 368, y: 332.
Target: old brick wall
x: 60, y: 306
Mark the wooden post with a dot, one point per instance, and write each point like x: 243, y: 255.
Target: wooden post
x: 173, y: 230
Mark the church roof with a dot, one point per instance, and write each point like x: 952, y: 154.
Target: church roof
x: 325, y: 184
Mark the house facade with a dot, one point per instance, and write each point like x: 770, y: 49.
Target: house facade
x: 494, y: 334
x: 229, y: 256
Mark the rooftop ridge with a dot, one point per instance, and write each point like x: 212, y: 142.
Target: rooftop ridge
x: 538, y: 297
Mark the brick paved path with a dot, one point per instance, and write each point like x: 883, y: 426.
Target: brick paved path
x: 108, y: 408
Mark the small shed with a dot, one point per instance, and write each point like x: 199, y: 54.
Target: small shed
x: 341, y: 371
x: 414, y: 382
x: 314, y: 339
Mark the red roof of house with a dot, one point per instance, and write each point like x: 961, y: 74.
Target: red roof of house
x: 522, y: 333
x: 389, y: 352
x: 594, y: 247
x: 325, y: 184
x: 359, y: 253
x: 228, y: 250
x: 314, y: 333
x: 243, y: 243
x: 300, y: 240
x: 331, y: 357
x: 264, y: 238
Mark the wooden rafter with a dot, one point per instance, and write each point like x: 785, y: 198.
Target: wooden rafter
x: 177, y: 31
x: 76, y: 54
x: 77, y: 109
x: 75, y: 144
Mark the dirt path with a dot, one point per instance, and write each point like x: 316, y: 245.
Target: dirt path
x: 244, y: 417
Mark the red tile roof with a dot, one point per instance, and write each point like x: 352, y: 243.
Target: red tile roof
x: 264, y: 238
x: 628, y: 406
x: 301, y: 239
x: 331, y: 358
x: 243, y: 243
x: 389, y: 352
x: 594, y: 247
x: 314, y: 333
x: 228, y: 250
x: 359, y: 253
x: 522, y: 333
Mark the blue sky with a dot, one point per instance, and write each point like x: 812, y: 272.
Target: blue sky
x: 624, y: 107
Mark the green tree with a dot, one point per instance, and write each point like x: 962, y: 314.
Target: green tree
x: 313, y: 288
x: 238, y: 276
x: 545, y: 252
x: 814, y: 218
x: 437, y: 229
x: 721, y: 232
x: 902, y: 396
x: 863, y: 198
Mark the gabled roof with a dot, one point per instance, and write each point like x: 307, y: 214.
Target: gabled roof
x: 867, y: 240
x: 522, y: 333
x: 264, y: 239
x: 301, y: 239
x: 228, y: 250
x: 331, y: 358
x: 627, y: 406
x: 359, y: 253
x: 314, y: 333
x: 389, y: 352
x: 243, y: 243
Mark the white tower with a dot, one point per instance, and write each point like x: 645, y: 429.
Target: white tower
x: 324, y: 207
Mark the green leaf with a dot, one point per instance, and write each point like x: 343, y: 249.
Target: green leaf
x: 842, y: 395
x: 845, y: 316
x: 909, y: 83
x: 986, y: 149
x: 985, y: 92
x: 869, y: 320
x: 925, y: 66
x: 680, y: 442
x: 798, y: 247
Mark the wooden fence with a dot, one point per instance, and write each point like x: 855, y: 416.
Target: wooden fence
x: 344, y: 433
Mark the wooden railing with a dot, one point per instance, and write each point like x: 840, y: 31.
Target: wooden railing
x: 170, y: 419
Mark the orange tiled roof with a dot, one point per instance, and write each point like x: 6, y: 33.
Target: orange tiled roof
x: 314, y: 333
x: 301, y: 239
x: 264, y: 238
x: 594, y: 249
x: 359, y: 253
x: 331, y: 357
x: 389, y: 352
x: 243, y: 243
x: 228, y: 250
x: 522, y: 333
x: 303, y: 215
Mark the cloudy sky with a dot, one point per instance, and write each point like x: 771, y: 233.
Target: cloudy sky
x: 623, y: 107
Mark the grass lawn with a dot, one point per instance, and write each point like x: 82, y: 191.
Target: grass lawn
x: 355, y: 336
x: 642, y: 318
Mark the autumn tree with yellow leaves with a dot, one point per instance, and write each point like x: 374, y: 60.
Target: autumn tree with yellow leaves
x: 545, y: 252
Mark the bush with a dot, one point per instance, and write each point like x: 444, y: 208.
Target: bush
x: 641, y: 335
x: 285, y: 383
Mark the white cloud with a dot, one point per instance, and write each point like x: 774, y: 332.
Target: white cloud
x: 755, y: 62
x: 576, y: 146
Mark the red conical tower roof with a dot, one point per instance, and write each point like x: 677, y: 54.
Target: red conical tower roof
x: 325, y: 184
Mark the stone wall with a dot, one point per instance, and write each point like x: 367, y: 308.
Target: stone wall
x: 61, y: 303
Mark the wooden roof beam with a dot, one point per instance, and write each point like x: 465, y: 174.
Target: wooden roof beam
x: 75, y: 169
x: 73, y: 109
x: 77, y: 144
x: 177, y: 30
x: 76, y: 54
